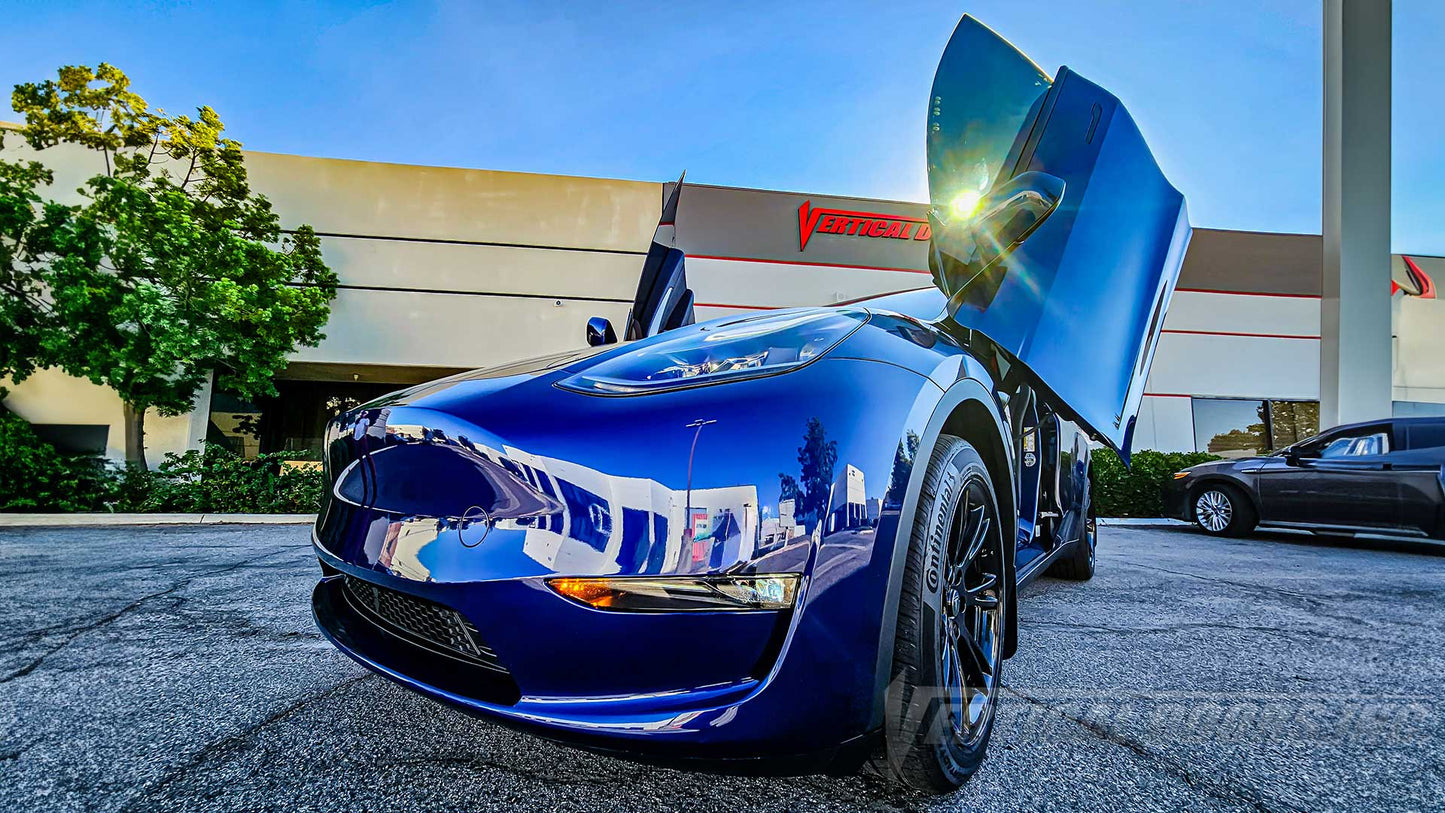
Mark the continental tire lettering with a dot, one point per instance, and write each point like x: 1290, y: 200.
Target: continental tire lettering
x: 940, y: 533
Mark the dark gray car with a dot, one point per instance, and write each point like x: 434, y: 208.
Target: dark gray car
x: 1379, y: 477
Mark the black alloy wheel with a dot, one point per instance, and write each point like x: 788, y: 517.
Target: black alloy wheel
x: 952, y: 615
x: 970, y: 634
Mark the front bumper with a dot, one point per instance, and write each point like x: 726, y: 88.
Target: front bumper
x: 664, y: 724
x: 786, y: 686
x: 1174, y: 496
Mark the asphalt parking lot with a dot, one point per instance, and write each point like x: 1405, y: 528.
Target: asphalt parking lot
x: 177, y: 668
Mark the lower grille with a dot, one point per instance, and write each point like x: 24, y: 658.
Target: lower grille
x: 421, y: 621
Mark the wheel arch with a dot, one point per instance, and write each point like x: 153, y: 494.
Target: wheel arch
x: 969, y: 410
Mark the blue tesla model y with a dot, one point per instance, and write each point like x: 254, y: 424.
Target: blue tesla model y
x: 790, y: 542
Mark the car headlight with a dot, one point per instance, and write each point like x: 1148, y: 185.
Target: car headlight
x: 681, y: 594
x: 726, y: 351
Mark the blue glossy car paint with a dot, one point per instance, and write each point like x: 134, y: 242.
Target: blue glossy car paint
x: 566, y: 657
x: 464, y: 496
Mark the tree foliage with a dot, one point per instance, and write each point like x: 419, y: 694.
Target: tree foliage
x: 36, y: 477
x: 171, y: 269
x: 816, y: 459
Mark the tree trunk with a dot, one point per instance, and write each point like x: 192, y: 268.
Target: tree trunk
x: 135, y: 432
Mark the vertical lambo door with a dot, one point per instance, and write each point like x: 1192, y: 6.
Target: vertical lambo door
x: 1055, y: 234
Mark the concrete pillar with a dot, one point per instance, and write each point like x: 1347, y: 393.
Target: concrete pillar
x: 1356, y: 365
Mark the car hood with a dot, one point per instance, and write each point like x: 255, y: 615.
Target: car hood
x: 1236, y: 464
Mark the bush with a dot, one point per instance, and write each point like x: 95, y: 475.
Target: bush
x: 219, y: 481
x: 34, y: 476
x: 1135, y: 491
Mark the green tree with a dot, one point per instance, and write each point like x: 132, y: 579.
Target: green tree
x: 903, y: 459
x: 816, y: 458
x: 170, y: 271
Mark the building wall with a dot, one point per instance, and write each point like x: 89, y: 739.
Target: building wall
x: 446, y: 267
x: 439, y: 268
x: 51, y: 397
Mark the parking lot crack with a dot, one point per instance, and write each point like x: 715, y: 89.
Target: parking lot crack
x: 1224, y: 792
x: 109, y: 618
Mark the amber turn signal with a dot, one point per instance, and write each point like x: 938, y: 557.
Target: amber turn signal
x: 681, y: 593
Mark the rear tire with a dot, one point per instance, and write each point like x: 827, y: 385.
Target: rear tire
x: 1220, y: 509
x: 1078, y: 564
x: 952, y: 611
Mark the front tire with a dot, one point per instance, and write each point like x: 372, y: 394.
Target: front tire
x: 1220, y: 509
x: 948, y: 650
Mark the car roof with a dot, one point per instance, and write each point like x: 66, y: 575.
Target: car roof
x: 1420, y: 420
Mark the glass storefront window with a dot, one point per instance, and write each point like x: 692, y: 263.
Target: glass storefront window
x: 1230, y: 428
x: 234, y: 424
x: 1235, y: 428
x: 1292, y: 421
x: 293, y: 420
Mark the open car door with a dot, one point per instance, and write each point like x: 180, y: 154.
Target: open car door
x: 663, y: 301
x: 1054, y: 232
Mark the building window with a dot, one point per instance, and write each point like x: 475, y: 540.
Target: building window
x: 1292, y: 421
x: 291, y: 421
x: 1232, y: 427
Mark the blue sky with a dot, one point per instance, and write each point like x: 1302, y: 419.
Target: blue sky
x: 824, y: 97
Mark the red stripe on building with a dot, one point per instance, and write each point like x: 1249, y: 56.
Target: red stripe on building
x: 1244, y: 293
x: 1234, y: 333
x: 741, y: 307
x: 815, y: 265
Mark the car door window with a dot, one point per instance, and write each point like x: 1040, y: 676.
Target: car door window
x: 1427, y: 436
x: 1339, y: 447
x: 1376, y: 444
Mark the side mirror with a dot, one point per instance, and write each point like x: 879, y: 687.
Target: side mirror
x: 1293, y: 457
x: 971, y: 237
x: 600, y: 332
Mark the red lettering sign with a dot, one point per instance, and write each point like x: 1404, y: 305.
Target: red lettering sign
x: 858, y: 224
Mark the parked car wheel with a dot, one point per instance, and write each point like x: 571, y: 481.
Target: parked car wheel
x: 1078, y: 564
x: 948, y: 652
x: 1222, y: 510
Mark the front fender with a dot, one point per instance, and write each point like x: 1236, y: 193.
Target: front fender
x: 973, y: 395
